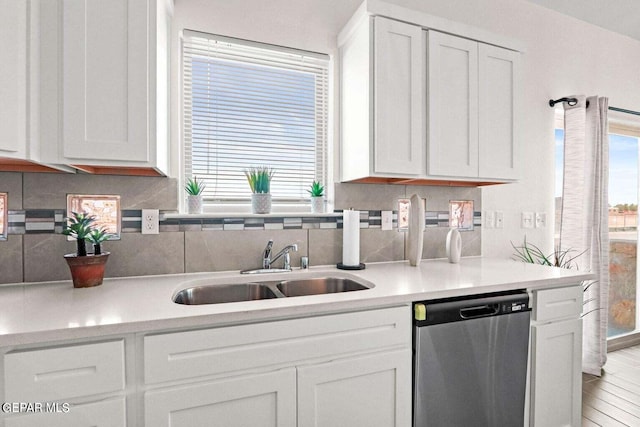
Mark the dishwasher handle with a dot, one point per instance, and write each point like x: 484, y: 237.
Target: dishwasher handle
x: 479, y: 311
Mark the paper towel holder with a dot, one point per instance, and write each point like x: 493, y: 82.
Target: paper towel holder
x: 360, y: 266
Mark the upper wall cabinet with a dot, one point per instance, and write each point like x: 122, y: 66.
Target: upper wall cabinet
x: 14, y: 78
x: 472, y: 109
x: 105, y: 74
x: 421, y: 105
x: 382, y: 95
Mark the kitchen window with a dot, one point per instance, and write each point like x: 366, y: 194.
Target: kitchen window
x: 251, y: 104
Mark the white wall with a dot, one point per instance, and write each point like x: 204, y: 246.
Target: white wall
x: 563, y: 56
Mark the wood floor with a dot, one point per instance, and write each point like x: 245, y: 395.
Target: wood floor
x: 614, y: 398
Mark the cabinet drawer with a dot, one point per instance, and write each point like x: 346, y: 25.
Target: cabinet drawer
x: 65, y: 372
x: 182, y: 355
x: 552, y: 304
x: 109, y: 413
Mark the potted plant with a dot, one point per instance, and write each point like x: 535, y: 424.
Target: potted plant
x: 87, y: 270
x: 259, y: 179
x: 194, y: 189
x: 316, y: 191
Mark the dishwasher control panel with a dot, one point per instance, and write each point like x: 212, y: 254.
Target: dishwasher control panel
x: 470, y: 307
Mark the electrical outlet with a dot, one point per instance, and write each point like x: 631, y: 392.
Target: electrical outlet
x: 150, y: 221
x: 541, y: 219
x: 489, y: 219
x: 527, y: 220
x: 387, y: 220
x: 499, y: 219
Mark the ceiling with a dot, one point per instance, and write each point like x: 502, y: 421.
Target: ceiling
x: 620, y: 16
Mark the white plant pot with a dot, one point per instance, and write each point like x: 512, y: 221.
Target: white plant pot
x: 261, y: 203
x: 317, y: 204
x: 194, y: 204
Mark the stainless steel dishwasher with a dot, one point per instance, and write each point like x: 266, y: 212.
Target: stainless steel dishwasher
x: 470, y: 360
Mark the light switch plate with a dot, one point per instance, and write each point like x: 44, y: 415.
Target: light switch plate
x: 527, y: 220
x: 541, y: 219
x: 489, y: 219
x: 387, y: 220
x: 499, y: 219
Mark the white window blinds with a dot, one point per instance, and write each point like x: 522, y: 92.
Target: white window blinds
x: 248, y: 104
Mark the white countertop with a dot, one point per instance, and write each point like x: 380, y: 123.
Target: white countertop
x: 51, y: 311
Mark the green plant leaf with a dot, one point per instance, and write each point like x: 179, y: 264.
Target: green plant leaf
x: 194, y: 187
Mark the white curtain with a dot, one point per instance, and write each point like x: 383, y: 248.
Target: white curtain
x: 584, y: 222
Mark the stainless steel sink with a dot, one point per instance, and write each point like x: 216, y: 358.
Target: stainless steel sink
x: 218, y: 294
x: 324, y: 285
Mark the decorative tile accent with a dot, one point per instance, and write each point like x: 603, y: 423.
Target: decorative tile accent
x: 16, y: 222
x: 51, y: 221
x: 40, y: 221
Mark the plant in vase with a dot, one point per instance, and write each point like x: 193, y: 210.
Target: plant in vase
x: 87, y: 270
x: 194, y: 189
x: 259, y: 179
x: 316, y: 191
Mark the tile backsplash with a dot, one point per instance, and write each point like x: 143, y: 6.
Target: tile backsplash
x: 34, y: 249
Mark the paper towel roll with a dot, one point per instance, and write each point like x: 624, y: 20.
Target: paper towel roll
x: 351, y: 238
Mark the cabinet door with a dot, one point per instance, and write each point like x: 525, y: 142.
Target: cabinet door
x: 556, y: 381
x: 260, y: 400
x: 498, y: 77
x: 13, y: 77
x: 108, y: 413
x: 105, y: 80
x: 398, y: 95
x: 452, y: 95
x: 372, y: 391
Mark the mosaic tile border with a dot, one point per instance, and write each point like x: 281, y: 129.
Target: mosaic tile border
x: 51, y: 221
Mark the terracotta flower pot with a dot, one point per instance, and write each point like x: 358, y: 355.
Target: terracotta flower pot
x: 87, y: 271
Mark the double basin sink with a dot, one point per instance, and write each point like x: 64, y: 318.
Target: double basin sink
x: 224, y: 293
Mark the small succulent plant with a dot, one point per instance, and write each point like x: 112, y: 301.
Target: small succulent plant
x: 316, y: 189
x: 195, y: 186
x: 96, y: 237
x: 79, y: 226
x: 259, y: 178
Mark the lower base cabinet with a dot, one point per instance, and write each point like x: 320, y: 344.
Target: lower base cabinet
x: 556, y: 358
x: 260, y: 400
x: 348, y: 369
x: 372, y: 391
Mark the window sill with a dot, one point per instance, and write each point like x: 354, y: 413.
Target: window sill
x: 250, y: 215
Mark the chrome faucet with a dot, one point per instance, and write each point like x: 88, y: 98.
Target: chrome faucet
x: 267, y: 260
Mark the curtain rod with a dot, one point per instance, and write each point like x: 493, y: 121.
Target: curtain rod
x: 574, y: 101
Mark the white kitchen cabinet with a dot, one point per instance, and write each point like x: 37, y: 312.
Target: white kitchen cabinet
x: 382, y: 96
x: 106, y: 81
x: 341, y: 369
x: 498, y: 76
x: 14, y: 78
x: 452, y: 87
x: 259, y: 400
x: 372, y: 390
x: 422, y: 104
x: 89, y: 378
x: 472, y: 94
x: 556, y: 358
